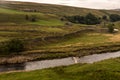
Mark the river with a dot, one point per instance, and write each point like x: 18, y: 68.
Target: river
x: 34, y: 65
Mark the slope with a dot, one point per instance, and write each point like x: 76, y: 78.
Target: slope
x: 55, y: 9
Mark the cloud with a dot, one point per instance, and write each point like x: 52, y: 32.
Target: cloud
x: 101, y: 4
x: 97, y: 4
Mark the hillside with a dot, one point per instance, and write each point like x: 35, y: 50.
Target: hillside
x: 117, y: 9
x: 41, y: 29
x: 54, y: 9
x: 34, y: 32
x: 14, y: 13
x: 15, y: 17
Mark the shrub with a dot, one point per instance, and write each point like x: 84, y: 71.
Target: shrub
x: 89, y: 19
x: 105, y: 17
x: 33, y: 19
x: 114, y: 17
x: 12, y: 46
x: 110, y: 28
x: 26, y: 17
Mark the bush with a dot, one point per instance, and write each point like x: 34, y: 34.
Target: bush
x: 12, y: 46
x: 33, y: 18
x: 26, y: 17
x: 110, y: 28
x: 89, y: 19
x: 114, y: 17
x: 105, y: 17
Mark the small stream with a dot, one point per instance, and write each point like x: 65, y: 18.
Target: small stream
x: 34, y: 65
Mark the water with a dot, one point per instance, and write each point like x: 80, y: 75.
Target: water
x: 48, y: 63
x: 34, y: 65
x: 98, y: 57
x: 11, y: 67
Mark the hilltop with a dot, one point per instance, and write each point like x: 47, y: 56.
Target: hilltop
x: 54, y: 9
x: 117, y: 9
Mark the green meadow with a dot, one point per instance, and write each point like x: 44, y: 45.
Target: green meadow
x: 45, y: 31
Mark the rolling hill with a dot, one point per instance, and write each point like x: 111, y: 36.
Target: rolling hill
x: 54, y: 9
x: 117, y: 9
x: 42, y: 30
x: 45, y: 36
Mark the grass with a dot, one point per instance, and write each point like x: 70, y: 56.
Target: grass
x: 9, y: 11
x: 56, y: 9
x: 16, y: 17
x: 50, y: 38
x: 31, y: 32
x: 48, y: 23
x: 60, y: 52
x: 104, y: 70
x: 2, y: 39
x: 50, y: 35
x: 82, y: 39
x: 69, y: 43
x: 117, y: 25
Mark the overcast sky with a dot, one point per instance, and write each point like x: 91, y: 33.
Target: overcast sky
x: 97, y: 4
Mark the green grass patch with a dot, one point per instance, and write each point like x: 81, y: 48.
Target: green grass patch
x: 9, y: 11
x: 16, y: 17
x: 81, y: 40
x: 48, y: 23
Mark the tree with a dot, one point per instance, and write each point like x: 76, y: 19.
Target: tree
x: 26, y: 17
x: 89, y: 19
x: 104, y: 18
x: 110, y: 28
x: 14, y: 45
x: 114, y: 17
x: 92, y: 19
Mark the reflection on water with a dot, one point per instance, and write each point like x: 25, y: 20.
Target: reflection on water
x: 11, y: 67
x: 34, y: 65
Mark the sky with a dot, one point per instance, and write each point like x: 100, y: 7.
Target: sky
x: 96, y: 4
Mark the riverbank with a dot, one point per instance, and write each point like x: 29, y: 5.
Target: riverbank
x: 35, y: 65
x: 104, y: 70
x: 54, y: 54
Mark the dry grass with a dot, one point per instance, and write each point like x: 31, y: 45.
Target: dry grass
x: 115, y: 38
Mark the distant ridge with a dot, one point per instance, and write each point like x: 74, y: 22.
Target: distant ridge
x: 54, y: 9
x: 115, y: 9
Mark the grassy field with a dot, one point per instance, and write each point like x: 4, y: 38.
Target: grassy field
x: 104, y: 70
x: 15, y: 17
x: 49, y: 35
x: 13, y: 24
